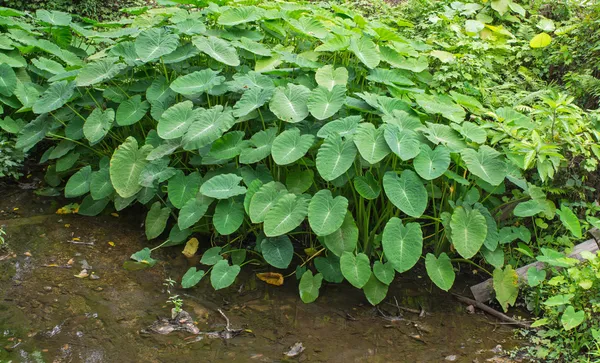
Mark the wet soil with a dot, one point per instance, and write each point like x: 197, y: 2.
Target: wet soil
x: 49, y: 315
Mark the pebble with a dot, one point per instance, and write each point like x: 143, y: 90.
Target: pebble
x: 452, y: 358
x: 94, y: 277
x: 99, y: 289
x: 47, y: 288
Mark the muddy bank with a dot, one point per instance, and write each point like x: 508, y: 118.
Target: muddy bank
x: 47, y: 314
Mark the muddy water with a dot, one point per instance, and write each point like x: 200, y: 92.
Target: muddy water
x: 49, y: 315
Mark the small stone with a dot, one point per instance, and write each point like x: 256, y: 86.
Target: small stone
x: 471, y: 309
x: 47, y: 288
x: 497, y: 349
x: 99, y: 289
x: 451, y: 358
x: 28, y: 254
x: 93, y: 276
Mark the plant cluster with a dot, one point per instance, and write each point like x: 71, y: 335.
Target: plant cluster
x: 94, y: 9
x: 11, y: 158
x: 291, y: 129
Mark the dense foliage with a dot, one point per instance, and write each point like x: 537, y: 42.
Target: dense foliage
x: 359, y: 146
x: 94, y: 9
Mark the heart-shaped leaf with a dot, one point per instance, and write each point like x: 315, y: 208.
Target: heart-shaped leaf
x: 367, y: 186
x: 176, y: 120
x: 126, y: 166
x: 54, y: 97
x: 156, y: 220
x: 325, y: 213
x: 277, y: 251
x: 309, y: 286
x: 208, y: 126
x: 191, y: 278
x: 79, y: 183
x: 131, y: 111
x: 365, y: 50
x: 431, y: 164
x: 406, y: 192
x: 571, y: 319
x: 98, y: 124
x: 384, y: 272
x: 223, y: 186
x: 229, y: 215
x: 370, y: 142
x: 192, y: 211
x: 330, y: 268
x: 329, y: 77
x: 375, y: 290
x: 289, y: 146
x: 335, y: 157
x: 486, y: 163
x: 290, y: 104
x: 197, y: 82
x: 506, y: 286
x: 323, y: 103
x: 223, y: 275
x: 344, y: 239
x: 440, y: 270
x: 288, y: 213
x: 356, y: 268
x: 218, y: 49
x: 154, y: 43
x: 469, y: 230
x: 402, y: 245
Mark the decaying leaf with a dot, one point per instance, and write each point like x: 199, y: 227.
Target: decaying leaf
x: 72, y: 208
x: 83, y: 274
x: 190, y: 248
x: 271, y: 278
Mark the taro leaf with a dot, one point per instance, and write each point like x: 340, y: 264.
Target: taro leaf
x: 535, y: 276
x: 192, y: 211
x: 402, y: 142
x: 330, y: 268
x: 442, y: 105
x: 328, y: 77
x: 370, y: 142
x: 98, y: 124
x: 67, y: 161
x: 323, y: 103
x: 571, y: 319
x: 367, y: 186
x: 289, y: 146
x: 54, y: 97
x: 495, y: 257
x: 558, y: 300
x: 159, y: 91
x: 384, y: 272
x: 191, y: 278
x: 445, y: 135
x: 440, y: 270
x: 209, y: 125
x: 79, y: 183
x: 406, y: 192
x: 211, y: 256
x: 197, y: 82
x: 223, y: 275
x: 14, y: 126
x: 131, y: 111
x: 126, y: 165
x: 253, y: 47
x: 100, y: 185
x: 227, y: 146
x: 486, y: 163
x: 492, y: 237
x: 290, y: 104
x: 218, y: 49
x: 310, y: 26
x: 344, y: 127
x: 259, y: 146
x: 98, y: 72
x: 335, y: 157
x: 156, y: 171
x: 506, y: 286
x: 298, y: 181
x: 402, y: 245
x: 472, y: 132
x: 529, y: 208
x: 228, y: 216
x: 156, y: 220
x: 27, y: 93
x: 56, y: 18
x: 182, y: 188
x: 32, y: 133
x: 356, y: 269
x: 277, y: 251
x: 570, y: 220
x: 8, y: 80
x: 154, y: 43
x: 176, y: 120
x: 264, y: 199
x: 287, y: 214
x: 90, y: 207
x: 309, y: 286
x: 431, y: 164
x: 61, y: 149
x: 325, y: 213
x: 191, y: 27
x: 375, y: 290
x: 181, y: 54
x: 469, y: 230
x: 251, y: 100
x: 240, y: 15
x: 540, y: 41
x: 365, y: 50
x: 143, y: 256
x: 223, y: 186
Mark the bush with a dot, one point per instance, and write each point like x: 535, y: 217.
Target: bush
x: 94, y: 9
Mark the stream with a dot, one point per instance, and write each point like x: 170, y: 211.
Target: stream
x: 47, y: 314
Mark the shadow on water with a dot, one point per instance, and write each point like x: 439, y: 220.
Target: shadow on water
x: 49, y: 315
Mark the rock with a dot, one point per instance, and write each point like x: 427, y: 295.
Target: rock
x: 93, y: 276
x: 48, y: 288
x: 451, y: 358
x: 295, y: 350
x: 85, y: 265
x: 497, y: 349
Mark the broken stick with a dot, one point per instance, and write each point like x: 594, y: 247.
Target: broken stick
x: 493, y: 312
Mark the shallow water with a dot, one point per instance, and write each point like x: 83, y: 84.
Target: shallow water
x: 49, y: 315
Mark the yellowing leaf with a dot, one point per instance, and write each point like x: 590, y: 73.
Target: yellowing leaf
x: 111, y: 244
x: 190, y: 248
x: 271, y: 278
x: 310, y: 251
x: 114, y: 214
x: 540, y: 41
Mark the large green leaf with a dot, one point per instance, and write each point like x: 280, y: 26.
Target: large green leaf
x: 91, y: 207
x: 98, y: 71
x: 154, y: 43
x: 335, y: 157
x: 218, y: 49
x: 251, y: 100
x: 32, y: 133
x: 126, y: 165
x: 344, y: 239
x: 506, y: 286
x: 228, y: 146
x: 176, y: 120
x: 191, y: 278
x: 229, y: 215
x: 27, y: 93
x: 54, y: 97
x: 277, y: 251
x: 384, y: 272
x: 329, y: 77
x: 330, y: 268
x: 197, y: 82
x: 264, y: 199
x: 365, y: 50
x: 323, y: 103
x: 208, y: 126
x: 192, y: 211
x: 486, y: 163
x: 431, y: 164
x: 131, y: 111
x: 325, y: 213
x: 259, y: 146
x: 570, y: 220
x: 79, y: 183
x: 56, y: 18
x: 98, y: 124
x: 289, y: 146
x: 223, y: 275
x: 100, y: 185
x: 402, y: 245
x: 402, y: 142
x: 469, y: 230
x: 367, y: 186
x: 289, y: 104
x: 309, y: 286
x: 288, y: 213
x: 356, y: 268
x: 370, y: 142
x: 406, y: 192
x: 156, y: 220
x: 375, y: 290
x: 442, y: 105
x: 239, y: 15
x: 182, y: 188
x: 344, y: 127
x: 440, y: 270
x: 223, y: 186
x: 571, y: 319
x: 8, y: 80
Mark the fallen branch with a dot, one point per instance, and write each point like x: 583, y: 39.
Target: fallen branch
x: 493, y: 312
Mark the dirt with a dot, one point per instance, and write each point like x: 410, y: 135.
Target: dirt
x: 49, y: 315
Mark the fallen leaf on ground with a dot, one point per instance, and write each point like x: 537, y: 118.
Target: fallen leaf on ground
x: 271, y: 278
x: 111, y: 244
x: 67, y: 225
x: 190, y: 248
x: 70, y: 262
x: 28, y: 254
x: 82, y: 275
x: 76, y: 239
x: 295, y: 350
x: 114, y: 214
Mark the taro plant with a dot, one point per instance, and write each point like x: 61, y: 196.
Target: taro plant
x: 273, y: 128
